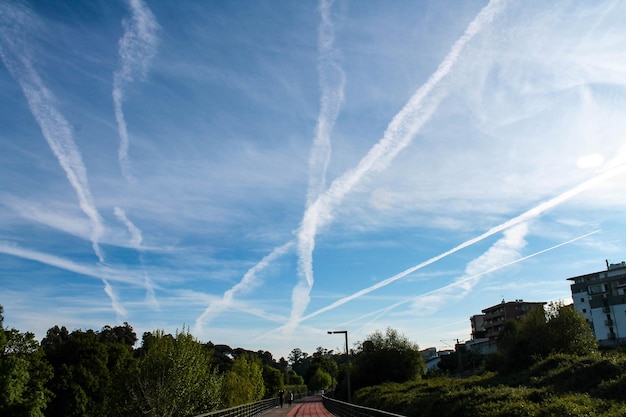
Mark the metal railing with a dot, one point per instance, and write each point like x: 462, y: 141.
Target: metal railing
x: 342, y: 409
x: 246, y: 410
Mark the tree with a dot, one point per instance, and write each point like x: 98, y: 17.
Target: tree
x: 272, y: 379
x: 23, y: 374
x: 388, y: 357
x: 320, y: 380
x: 322, y: 360
x: 297, y: 356
x: 292, y: 378
x: 243, y: 384
x: 175, y: 377
x: 569, y: 331
x: 123, y: 368
x: 81, y: 376
x: 540, y: 333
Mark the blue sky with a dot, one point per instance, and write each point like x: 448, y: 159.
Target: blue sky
x: 263, y: 172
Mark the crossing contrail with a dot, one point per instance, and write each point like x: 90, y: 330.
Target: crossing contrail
x: 402, y: 129
x: 529, y: 214
x: 17, y: 56
x: 468, y: 279
x: 332, y: 81
x: 246, y: 284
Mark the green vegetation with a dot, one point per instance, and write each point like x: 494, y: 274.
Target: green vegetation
x: 548, y: 364
x: 388, y: 357
x: 102, y: 373
x: 23, y: 374
x: 560, y: 385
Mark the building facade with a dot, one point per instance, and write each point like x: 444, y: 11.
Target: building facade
x: 601, y: 298
x: 495, y: 317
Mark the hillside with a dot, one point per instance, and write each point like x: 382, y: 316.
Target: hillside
x: 561, y: 385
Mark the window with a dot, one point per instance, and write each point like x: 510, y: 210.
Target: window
x: 582, y: 299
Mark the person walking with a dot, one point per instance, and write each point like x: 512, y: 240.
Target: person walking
x: 290, y: 398
x: 281, y: 397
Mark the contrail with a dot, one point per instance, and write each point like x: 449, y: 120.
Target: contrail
x: 135, y: 242
x: 137, y: 47
x: 533, y: 212
x: 332, y: 81
x: 135, y: 233
x: 16, y: 54
x: 398, y: 135
x: 471, y: 278
x: 101, y: 272
x: 244, y: 285
x: 461, y: 281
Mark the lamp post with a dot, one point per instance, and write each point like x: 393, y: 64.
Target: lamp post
x: 345, y: 332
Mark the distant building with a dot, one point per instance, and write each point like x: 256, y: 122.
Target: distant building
x: 601, y: 298
x: 496, y: 316
x: 432, y: 357
x: 478, y: 326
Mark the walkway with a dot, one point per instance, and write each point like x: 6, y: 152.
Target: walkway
x: 309, y: 407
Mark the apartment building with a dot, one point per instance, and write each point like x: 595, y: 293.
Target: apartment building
x: 601, y: 298
x: 496, y: 316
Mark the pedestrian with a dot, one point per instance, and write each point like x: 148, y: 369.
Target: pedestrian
x: 281, y: 397
x: 290, y: 398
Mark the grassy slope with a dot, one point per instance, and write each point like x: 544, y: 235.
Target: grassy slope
x: 558, y: 386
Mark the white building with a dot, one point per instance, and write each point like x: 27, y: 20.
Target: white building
x: 601, y: 298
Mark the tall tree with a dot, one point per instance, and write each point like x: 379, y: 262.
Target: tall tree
x: 244, y: 382
x: 23, y: 374
x: 123, y: 368
x: 81, y: 376
x: 388, y: 357
x: 175, y: 377
x: 539, y: 333
x: 272, y: 379
x: 299, y: 361
x: 320, y: 380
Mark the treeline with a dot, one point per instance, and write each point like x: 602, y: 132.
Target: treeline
x: 101, y: 373
x: 548, y: 364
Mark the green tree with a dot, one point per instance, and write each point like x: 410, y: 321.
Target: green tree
x: 272, y: 379
x: 175, y: 377
x: 81, y: 376
x: 123, y: 368
x: 569, y: 331
x: 23, y: 374
x: 243, y: 384
x: 320, y: 380
x: 542, y: 332
x: 292, y: 378
x: 388, y: 357
x: 322, y: 359
x: 299, y: 361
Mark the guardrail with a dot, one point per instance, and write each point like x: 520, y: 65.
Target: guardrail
x: 246, y: 410
x: 342, y: 409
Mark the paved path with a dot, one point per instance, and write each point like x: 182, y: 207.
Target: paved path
x: 309, y: 407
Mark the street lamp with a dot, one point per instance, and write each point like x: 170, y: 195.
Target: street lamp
x: 345, y: 332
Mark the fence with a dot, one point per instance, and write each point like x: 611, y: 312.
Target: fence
x: 341, y: 409
x: 252, y: 409
x: 246, y: 410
